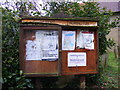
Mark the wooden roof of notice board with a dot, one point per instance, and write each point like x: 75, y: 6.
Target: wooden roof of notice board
x: 81, y: 21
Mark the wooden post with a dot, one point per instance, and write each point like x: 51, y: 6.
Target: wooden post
x: 82, y: 82
x: 38, y: 84
x: 118, y: 42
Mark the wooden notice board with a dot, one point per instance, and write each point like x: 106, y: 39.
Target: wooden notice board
x: 58, y: 46
x: 91, y: 64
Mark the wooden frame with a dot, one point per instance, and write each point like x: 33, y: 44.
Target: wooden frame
x: 52, y: 68
x: 56, y: 68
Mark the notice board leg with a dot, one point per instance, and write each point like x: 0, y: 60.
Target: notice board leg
x: 82, y: 82
x: 37, y: 84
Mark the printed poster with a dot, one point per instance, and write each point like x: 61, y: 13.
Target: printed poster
x: 68, y: 40
x: 50, y: 45
x: 76, y: 59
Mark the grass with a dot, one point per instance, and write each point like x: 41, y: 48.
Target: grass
x: 109, y: 76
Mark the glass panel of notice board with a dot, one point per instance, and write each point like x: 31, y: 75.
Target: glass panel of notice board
x: 43, y: 47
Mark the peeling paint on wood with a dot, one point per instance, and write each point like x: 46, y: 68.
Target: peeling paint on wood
x: 63, y: 22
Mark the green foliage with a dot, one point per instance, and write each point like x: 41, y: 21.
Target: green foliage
x: 87, y: 9
x: 109, y: 76
x: 12, y: 77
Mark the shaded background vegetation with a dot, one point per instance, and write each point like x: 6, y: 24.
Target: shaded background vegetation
x: 12, y: 76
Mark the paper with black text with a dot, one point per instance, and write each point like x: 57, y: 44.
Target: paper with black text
x: 76, y: 59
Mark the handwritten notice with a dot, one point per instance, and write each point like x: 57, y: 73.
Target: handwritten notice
x: 76, y: 59
x: 68, y: 40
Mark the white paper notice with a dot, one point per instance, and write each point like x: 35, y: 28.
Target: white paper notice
x: 68, y: 40
x: 88, y: 40
x: 44, y: 47
x: 80, y: 41
x: 33, y: 51
x: 76, y: 59
x: 49, y: 45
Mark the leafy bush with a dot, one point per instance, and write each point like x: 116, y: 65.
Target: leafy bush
x: 12, y: 78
